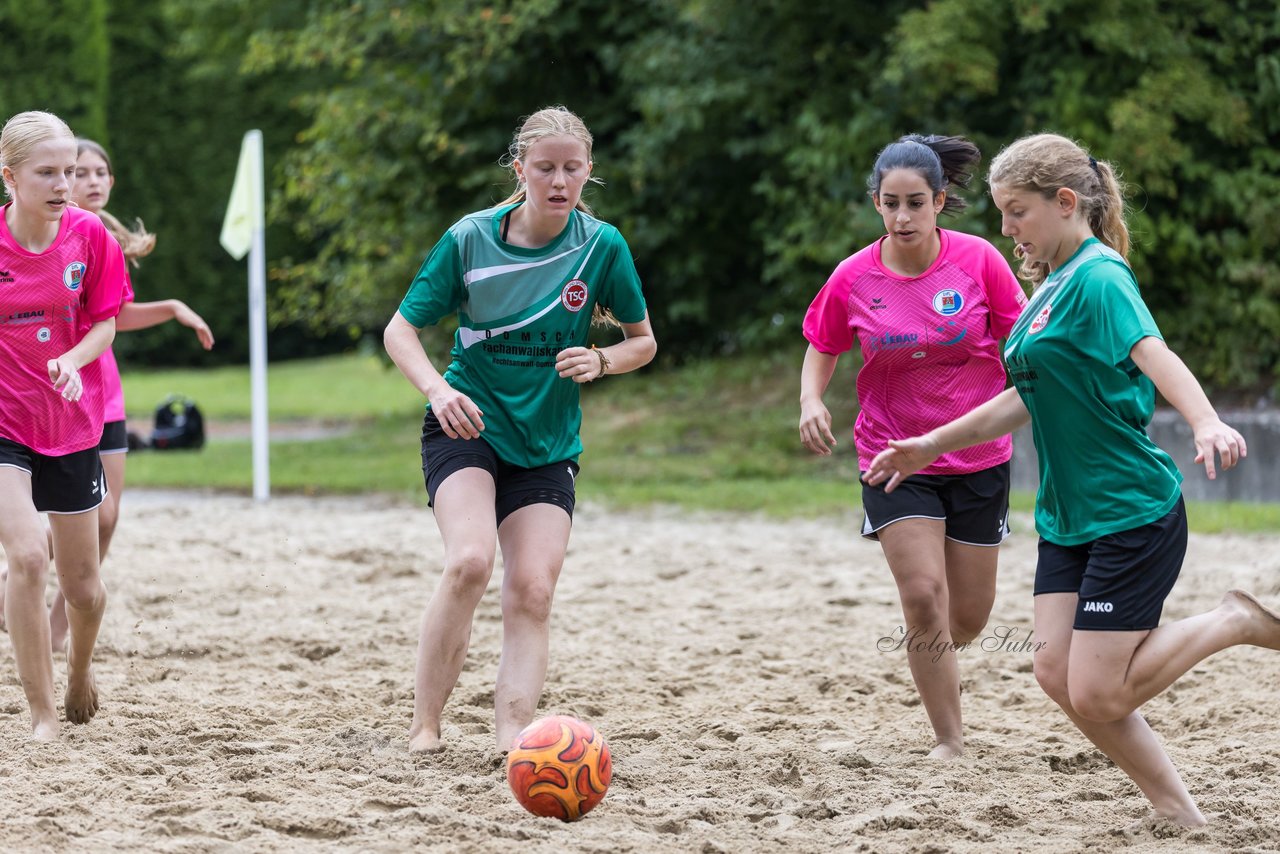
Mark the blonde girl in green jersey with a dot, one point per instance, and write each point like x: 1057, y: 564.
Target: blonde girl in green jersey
x: 500, y: 439
x: 1086, y: 359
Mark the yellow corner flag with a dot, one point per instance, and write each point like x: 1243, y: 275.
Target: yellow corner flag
x: 244, y: 211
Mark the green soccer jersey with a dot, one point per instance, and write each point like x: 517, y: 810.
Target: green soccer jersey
x: 1068, y: 355
x: 517, y: 308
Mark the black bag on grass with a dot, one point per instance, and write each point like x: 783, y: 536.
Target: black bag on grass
x: 179, y: 425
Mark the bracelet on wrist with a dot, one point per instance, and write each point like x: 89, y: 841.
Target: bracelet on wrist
x: 604, y: 361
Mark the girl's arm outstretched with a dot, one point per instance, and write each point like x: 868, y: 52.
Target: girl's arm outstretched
x: 999, y: 416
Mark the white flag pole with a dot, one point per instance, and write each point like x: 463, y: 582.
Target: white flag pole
x: 243, y: 232
x: 258, y: 329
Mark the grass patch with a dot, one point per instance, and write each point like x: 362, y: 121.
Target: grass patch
x: 718, y: 436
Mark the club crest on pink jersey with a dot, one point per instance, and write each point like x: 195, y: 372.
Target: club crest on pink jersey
x: 574, y: 295
x: 1041, y: 319
x: 947, y: 302
x: 73, y: 275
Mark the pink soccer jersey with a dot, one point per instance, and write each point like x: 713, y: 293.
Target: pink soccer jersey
x: 112, y: 388
x: 929, y: 343
x: 48, y: 301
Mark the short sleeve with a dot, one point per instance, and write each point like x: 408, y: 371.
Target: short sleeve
x: 107, y: 279
x: 1117, y: 317
x: 437, y: 290
x: 621, y: 293
x: 1004, y: 293
x: 826, y: 323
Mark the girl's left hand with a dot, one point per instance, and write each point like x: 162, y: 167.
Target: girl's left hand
x: 1215, y: 436
x: 65, y: 377
x: 580, y: 364
x: 184, y: 315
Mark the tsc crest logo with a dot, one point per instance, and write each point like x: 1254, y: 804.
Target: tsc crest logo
x: 1042, y: 319
x: 947, y: 302
x: 73, y: 275
x: 574, y: 295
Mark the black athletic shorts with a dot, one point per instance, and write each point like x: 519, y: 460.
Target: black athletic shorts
x: 974, y: 506
x: 72, y: 483
x: 1122, y: 579
x: 115, y: 438
x: 515, y: 486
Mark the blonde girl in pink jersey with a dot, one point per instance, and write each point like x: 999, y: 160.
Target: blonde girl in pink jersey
x: 62, y: 283
x: 92, y: 192
x: 928, y: 307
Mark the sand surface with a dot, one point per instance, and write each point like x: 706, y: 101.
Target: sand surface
x: 256, y: 672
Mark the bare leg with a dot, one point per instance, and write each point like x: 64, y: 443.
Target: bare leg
x: 22, y: 534
x: 108, y: 516
x: 1114, y: 673
x: 76, y: 542
x: 916, y: 554
x: 1129, y: 742
x: 534, y: 539
x: 465, y: 516
x: 971, y: 588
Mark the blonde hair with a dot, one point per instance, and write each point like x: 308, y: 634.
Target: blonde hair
x: 136, y: 242
x: 1045, y: 163
x: 549, y: 121
x: 24, y: 132
x: 552, y: 121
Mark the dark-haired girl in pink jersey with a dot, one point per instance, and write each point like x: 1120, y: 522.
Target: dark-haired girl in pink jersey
x: 62, y: 278
x: 928, y: 307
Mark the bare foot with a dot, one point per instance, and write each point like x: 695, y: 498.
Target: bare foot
x: 946, y: 750
x: 1183, y: 818
x: 81, y: 698
x: 1264, y: 624
x: 45, y: 730
x: 425, y: 741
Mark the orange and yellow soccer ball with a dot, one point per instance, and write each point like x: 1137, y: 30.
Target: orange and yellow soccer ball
x: 559, y: 767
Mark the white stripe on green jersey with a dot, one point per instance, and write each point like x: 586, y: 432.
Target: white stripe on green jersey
x: 517, y: 308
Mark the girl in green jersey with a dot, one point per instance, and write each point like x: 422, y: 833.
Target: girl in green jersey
x: 1086, y: 359
x: 500, y: 438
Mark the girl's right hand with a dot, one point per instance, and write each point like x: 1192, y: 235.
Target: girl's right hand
x: 903, y: 458
x: 457, y: 414
x: 815, y: 428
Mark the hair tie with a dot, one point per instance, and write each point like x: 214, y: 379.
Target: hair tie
x: 1093, y: 164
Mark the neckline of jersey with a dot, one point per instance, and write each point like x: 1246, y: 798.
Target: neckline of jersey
x: 13, y: 243
x: 495, y: 226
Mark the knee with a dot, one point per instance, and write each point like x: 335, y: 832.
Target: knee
x: 466, y: 573
x: 1051, y: 674
x: 80, y: 583
x: 1094, y: 703
x: 967, y: 626
x: 923, y: 601
x: 529, y: 599
x: 28, y: 562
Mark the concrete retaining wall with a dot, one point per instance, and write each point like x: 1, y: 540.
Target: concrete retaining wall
x: 1257, y: 478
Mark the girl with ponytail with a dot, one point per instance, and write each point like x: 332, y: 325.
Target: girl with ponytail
x: 91, y: 192
x: 500, y: 438
x: 929, y: 307
x: 1086, y: 360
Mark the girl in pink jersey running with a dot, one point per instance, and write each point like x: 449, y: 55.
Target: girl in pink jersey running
x: 928, y: 307
x: 62, y: 278
x: 92, y: 191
